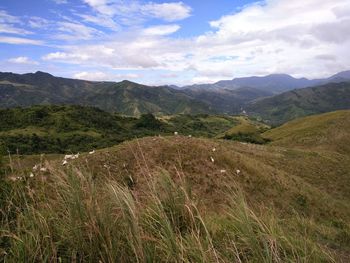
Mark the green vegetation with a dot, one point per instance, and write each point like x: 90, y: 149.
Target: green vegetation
x: 59, y: 129
x: 202, y: 124
x: 247, y: 130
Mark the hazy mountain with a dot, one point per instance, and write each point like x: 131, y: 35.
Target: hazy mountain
x: 301, y: 102
x: 274, y: 83
x: 339, y: 77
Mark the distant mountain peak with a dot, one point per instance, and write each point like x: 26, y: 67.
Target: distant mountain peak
x: 42, y: 73
x: 341, y: 75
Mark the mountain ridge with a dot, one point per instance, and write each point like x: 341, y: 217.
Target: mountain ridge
x: 275, y: 83
x: 134, y: 99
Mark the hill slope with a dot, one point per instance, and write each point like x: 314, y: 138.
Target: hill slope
x: 329, y: 131
x: 298, y: 103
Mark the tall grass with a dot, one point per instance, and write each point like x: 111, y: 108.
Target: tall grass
x: 73, y: 217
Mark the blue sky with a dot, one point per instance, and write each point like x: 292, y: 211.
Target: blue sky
x: 174, y: 42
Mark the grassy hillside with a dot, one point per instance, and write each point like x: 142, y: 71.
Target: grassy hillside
x: 299, y: 103
x: 329, y: 131
x: 181, y: 199
x: 58, y: 129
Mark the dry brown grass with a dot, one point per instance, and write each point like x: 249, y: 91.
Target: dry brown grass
x: 308, y: 189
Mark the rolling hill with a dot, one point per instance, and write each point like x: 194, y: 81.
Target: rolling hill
x: 302, y: 102
x: 175, y: 197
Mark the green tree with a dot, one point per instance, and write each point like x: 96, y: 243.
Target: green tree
x: 36, y: 142
x: 149, y: 121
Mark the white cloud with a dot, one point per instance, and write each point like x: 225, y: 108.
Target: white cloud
x: 298, y: 30
x: 75, y: 31
x: 100, y: 20
x: 161, y: 30
x: 105, y: 7
x: 11, y: 25
x: 38, y: 22
x: 167, y: 11
x: 7, y: 18
x: 5, y: 28
x: 61, y: 56
x: 302, y: 38
x: 20, y: 41
x: 23, y: 60
x: 134, y: 10
x: 60, y: 2
x: 102, y: 76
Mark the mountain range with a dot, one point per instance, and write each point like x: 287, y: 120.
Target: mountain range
x: 274, y: 83
x: 123, y: 97
x: 257, y: 96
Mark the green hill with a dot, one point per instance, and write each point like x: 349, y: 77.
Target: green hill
x: 176, y: 198
x: 302, y: 102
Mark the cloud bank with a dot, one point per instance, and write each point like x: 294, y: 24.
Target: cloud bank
x: 303, y: 38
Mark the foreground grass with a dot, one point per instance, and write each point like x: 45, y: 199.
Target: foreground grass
x: 73, y: 216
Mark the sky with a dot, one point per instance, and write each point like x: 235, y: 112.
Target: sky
x: 175, y: 42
